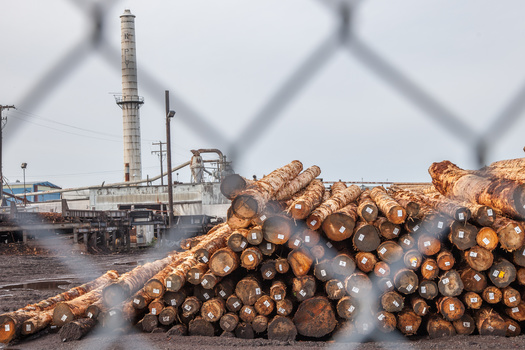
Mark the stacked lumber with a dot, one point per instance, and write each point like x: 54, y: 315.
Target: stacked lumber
x: 296, y: 259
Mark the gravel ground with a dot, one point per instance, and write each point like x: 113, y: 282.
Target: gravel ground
x: 65, y: 269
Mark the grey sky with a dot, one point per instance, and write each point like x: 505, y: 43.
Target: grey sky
x: 226, y: 59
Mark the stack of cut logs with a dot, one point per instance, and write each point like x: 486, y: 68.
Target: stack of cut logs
x: 295, y: 259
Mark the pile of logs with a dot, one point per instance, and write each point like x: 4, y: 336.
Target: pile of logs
x: 296, y: 259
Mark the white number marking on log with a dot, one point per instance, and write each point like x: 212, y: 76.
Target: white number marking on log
x: 415, y: 228
x: 364, y: 260
x: 473, y: 254
x: 112, y: 313
x: 226, y: 324
x: 355, y: 290
x: 490, y: 212
x: 414, y: 263
x: 408, y: 328
x: 382, y: 250
x: 445, y: 280
x: 485, y: 240
x: 517, y: 229
x: 461, y: 216
x: 495, y: 273
x: 461, y: 234
x: 282, y: 311
x: 424, y: 310
x: 426, y: 243
x: 90, y: 315
x: 227, y: 268
x: 313, y: 222
x: 365, y: 326
x: 323, y: 273
x: 523, y: 252
x: 243, y: 244
x: 173, y: 302
x: 396, y: 231
x: 340, y: 285
x: 451, y: 307
x: 7, y: 328
x: 298, y: 206
x: 342, y: 263
x: 254, y: 235
x: 269, y: 246
x: 63, y: 318
x: 515, y: 309
x: 263, y: 218
x: 369, y: 210
x: 268, y: 273
x: 204, y: 282
x: 477, y: 278
x: 156, y: 291
x: 474, y: 300
x: 28, y: 328
x: 281, y: 267
x: 266, y: 303
x: 280, y: 236
x: 423, y: 289
x: 409, y: 287
x: 381, y: 317
x: 250, y: 257
x: 211, y: 315
x: 168, y: 284
x: 491, y: 296
x: 206, y: 296
x: 153, y: 311
x: 136, y: 301
x: 395, y: 303
x: 248, y: 310
x: 512, y: 299
x: 204, y: 259
x: 329, y: 244
x: 406, y: 241
x: 166, y: 318
x: 440, y: 224
x: 296, y: 243
x: 257, y: 291
x: 512, y: 328
x: 466, y: 324
x: 351, y: 308
x: 222, y: 293
x: 389, y: 284
x: 429, y: 267
x: 447, y: 263
x: 381, y: 271
x: 342, y: 229
x: 361, y: 237
x: 197, y: 275
x: 400, y: 213
x: 277, y: 297
x: 307, y: 239
x: 236, y: 304
x: 302, y: 292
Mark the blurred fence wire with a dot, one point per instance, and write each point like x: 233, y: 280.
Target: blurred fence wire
x: 343, y: 37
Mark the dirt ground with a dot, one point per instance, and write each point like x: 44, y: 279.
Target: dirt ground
x: 59, y: 268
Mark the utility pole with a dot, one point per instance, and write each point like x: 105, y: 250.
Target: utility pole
x: 161, y: 155
x: 169, y: 115
x: 3, y: 121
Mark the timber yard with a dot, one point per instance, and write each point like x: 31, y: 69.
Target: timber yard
x: 282, y: 259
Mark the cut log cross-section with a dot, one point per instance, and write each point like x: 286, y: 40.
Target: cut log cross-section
x: 393, y: 211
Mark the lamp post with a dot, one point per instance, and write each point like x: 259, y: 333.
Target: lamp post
x: 24, y: 166
x: 169, y: 115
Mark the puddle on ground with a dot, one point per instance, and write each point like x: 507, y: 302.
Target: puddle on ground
x: 131, y: 263
x: 40, y: 285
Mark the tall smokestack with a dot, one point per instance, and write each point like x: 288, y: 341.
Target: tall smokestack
x: 130, y: 102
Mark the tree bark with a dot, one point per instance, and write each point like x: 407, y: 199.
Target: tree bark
x: 312, y: 197
x: 298, y: 183
x: 367, y: 209
x: 393, y: 211
x: 76, y: 329
x: 199, y: 326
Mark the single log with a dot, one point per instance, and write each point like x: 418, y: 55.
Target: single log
x: 406, y: 281
x: 191, y: 306
x: 428, y: 245
x: 478, y: 258
x: 255, y: 235
x: 390, y: 252
x: 489, y: 322
x: 492, y: 295
x: 343, y: 265
x: 238, y: 241
x: 278, y: 290
x: 323, y: 270
x: 407, y: 241
x: 177, y: 330
x: 225, y: 288
x: 510, y: 233
x: 451, y: 308
x: 482, y: 215
x: 463, y: 236
x: 284, y: 307
x: 414, y: 225
x: 96, y: 310
x: 277, y: 229
x: 472, y: 300
x: 264, y: 305
x: 487, y: 238
x: 429, y: 269
x: 366, y: 237
x: 337, y: 201
x: 67, y: 311
x: 387, y: 229
x: 267, y: 248
x: 513, y: 328
x: 437, y: 327
x: 408, y: 322
x: 282, y: 329
x: 37, y: 323
x: 450, y: 284
x: 281, y: 265
x: 340, y: 225
x: 247, y: 313
x: 366, y: 261
x: 260, y: 324
x: 334, y: 289
x: 272, y: 208
x: 251, y: 257
x: 412, y: 259
x: 223, y: 262
x: 295, y: 241
x: 473, y: 280
x: 234, y: 184
x: 76, y: 329
x: 156, y: 306
x: 511, y: 297
x: 233, y: 303
x: 248, y: 290
x: 517, y: 312
x: 268, y: 271
x: 367, y: 209
x: 244, y: 331
x: 392, y: 301
x: 465, y: 325
x: 202, y: 293
x: 358, y: 285
x: 511, y: 169
x: 502, y: 273
x: 252, y: 201
x: 298, y: 183
x: 315, y: 317
x: 386, y: 322
x: 168, y: 316
x: 213, y: 309
x: 520, y: 276
x: 393, y: 211
x: 445, y: 260
x: 229, y: 321
x: 196, y: 273
x: 199, y: 326
x: 419, y: 305
x: 236, y: 222
x: 149, y: 323
x: 347, y: 307
x: 428, y: 289
x: 312, y: 197
x: 300, y: 261
x: 381, y: 269
x: 210, y: 280
x: 303, y: 287
x: 385, y: 284
x: 453, y: 182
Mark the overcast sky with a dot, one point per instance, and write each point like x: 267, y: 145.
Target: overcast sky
x: 226, y: 59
